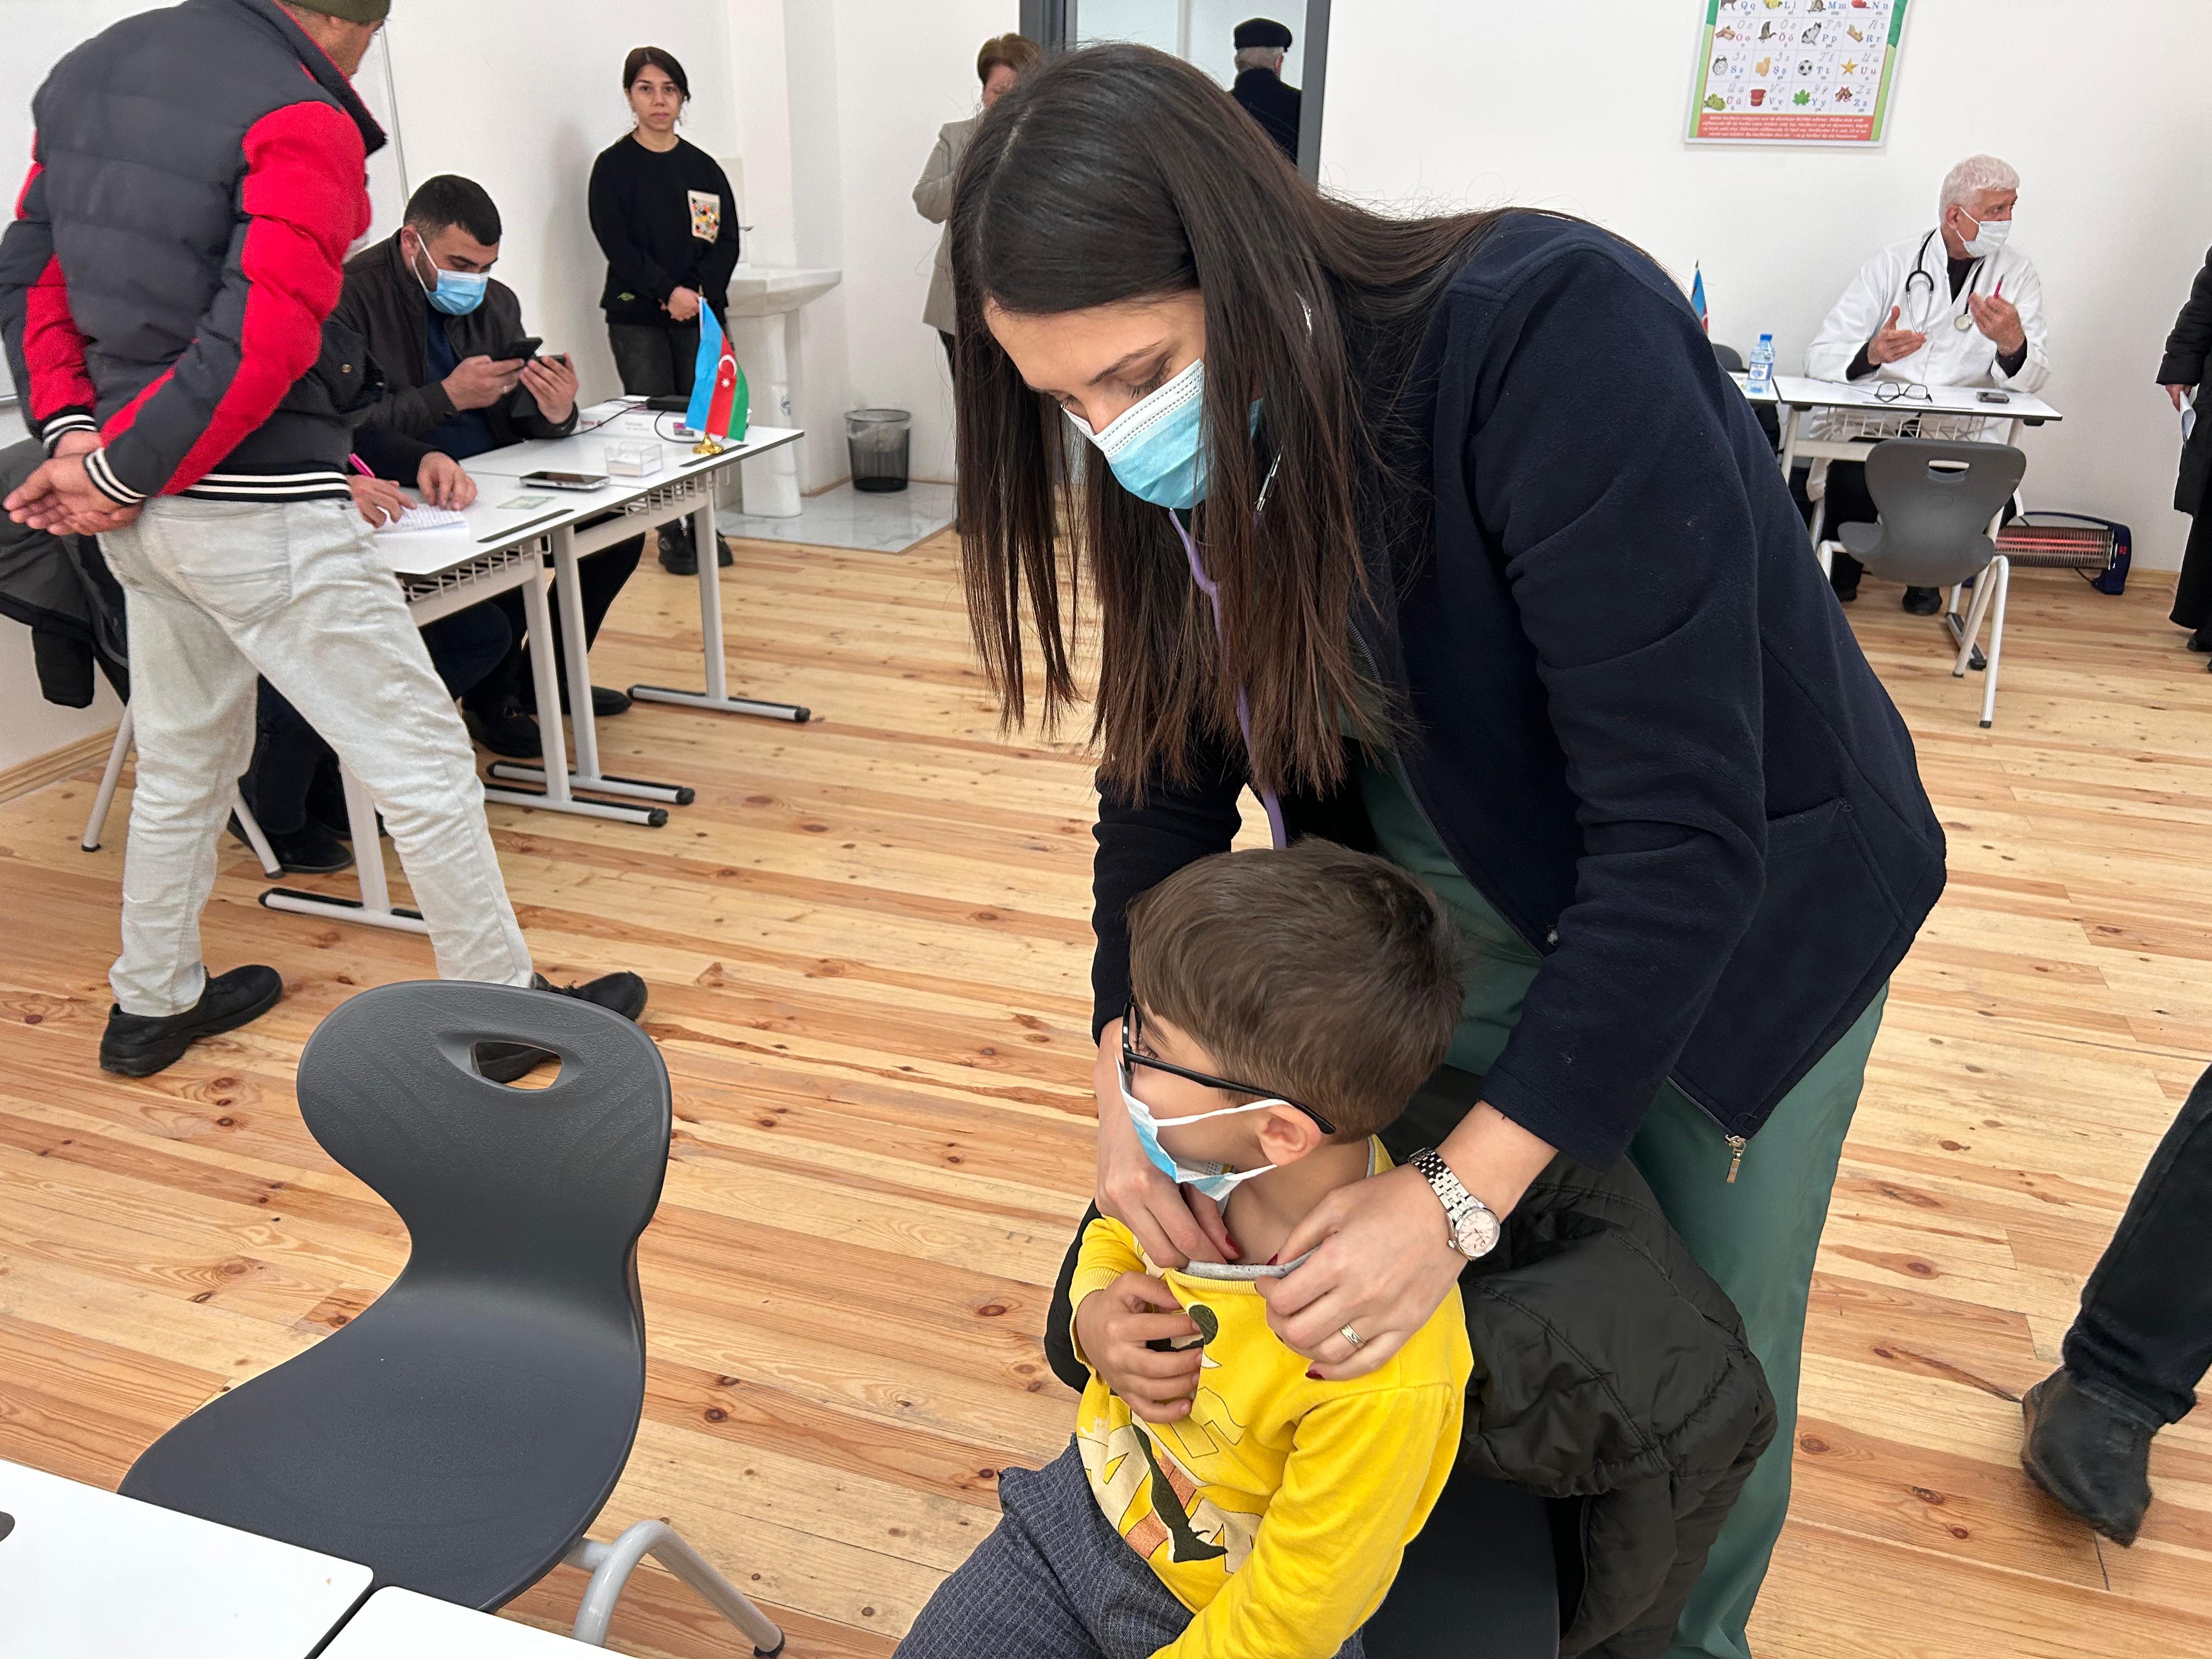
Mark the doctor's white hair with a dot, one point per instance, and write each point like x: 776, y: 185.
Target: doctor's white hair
x: 1971, y: 178
x: 1266, y: 57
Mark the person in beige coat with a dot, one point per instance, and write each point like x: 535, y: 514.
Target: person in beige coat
x: 1004, y: 59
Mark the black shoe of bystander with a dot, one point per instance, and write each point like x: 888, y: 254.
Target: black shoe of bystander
x: 139, y: 1045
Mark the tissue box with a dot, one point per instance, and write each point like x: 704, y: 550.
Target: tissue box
x: 634, y: 460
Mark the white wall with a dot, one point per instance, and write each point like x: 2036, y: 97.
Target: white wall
x: 1439, y: 102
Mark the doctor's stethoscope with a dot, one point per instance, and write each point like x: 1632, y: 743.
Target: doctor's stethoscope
x: 1920, y: 274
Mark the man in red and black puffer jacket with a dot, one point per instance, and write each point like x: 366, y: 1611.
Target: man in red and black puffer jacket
x: 197, y: 176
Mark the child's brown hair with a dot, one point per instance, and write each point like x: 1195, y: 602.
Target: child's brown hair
x: 1323, y: 973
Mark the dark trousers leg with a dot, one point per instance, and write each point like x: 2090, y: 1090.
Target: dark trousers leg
x: 287, y: 753
x: 295, y: 772
x: 2192, y: 595
x: 2143, y: 1337
x: 1478, y: 1582
x: 601, y: 576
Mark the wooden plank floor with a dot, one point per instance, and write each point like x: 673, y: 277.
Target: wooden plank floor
x: 867, y: 944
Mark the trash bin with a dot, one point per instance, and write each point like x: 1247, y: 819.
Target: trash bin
x: 879, y: 440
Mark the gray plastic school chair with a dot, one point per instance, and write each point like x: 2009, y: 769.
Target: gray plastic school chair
x: 1941, y: 504
x: 461, y: 1434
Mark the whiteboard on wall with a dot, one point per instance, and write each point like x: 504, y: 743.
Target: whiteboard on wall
x: 39, y: 34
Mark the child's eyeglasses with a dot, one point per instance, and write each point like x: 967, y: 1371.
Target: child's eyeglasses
x: 1133, y: 1033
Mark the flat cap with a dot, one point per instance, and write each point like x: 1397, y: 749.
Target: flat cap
x: 1261, y: 32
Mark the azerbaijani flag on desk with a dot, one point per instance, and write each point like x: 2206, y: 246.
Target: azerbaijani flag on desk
x: 721, y: 402
x: 1697, y: 298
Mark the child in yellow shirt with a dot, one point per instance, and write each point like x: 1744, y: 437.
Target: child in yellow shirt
x: 1268, y: 1521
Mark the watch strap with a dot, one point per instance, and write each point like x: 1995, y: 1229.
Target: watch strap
x: 1450, y: 1191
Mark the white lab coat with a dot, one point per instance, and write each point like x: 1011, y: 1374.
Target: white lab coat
x: 1952, y: 356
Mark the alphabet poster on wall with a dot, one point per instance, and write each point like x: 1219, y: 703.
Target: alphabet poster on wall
x: 1796, y: 72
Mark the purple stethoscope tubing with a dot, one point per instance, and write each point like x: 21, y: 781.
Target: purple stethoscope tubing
x: 1270, y: 802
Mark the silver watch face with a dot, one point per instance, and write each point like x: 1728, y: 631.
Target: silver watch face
x: 1477, y: 1231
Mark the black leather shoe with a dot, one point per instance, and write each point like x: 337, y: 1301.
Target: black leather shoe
x: 605, y: 702
x: 506, y: 730
x: 2087, y: 1456
x: 2202, y: 639
x: 679, y: 557
x: 1923, y: 601
x: 310, y: 850
x: 622, y: 993
x: 1845, y: 595
x: 139, y: 1045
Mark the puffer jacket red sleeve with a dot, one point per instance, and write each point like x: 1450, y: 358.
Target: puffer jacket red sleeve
x: 304, y: 199
x: 46, y: 352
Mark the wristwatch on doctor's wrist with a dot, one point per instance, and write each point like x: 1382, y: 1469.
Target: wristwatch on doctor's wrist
x: 1470, y: 1225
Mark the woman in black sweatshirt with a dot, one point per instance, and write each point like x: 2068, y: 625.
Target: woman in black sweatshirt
x: 666, y: 219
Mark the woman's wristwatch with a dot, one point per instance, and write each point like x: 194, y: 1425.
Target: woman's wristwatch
x: 1470, y: 1224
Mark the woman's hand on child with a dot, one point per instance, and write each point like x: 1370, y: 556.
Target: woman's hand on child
x: 1112, y: 1328
x: 1381, y: 1259
x: 1173, y: 1225
x: 1381, y: 1264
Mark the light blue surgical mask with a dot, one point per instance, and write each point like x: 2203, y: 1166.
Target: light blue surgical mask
x: 1157, y: 446
x: 1216, y: 1181
x: 456, y: 292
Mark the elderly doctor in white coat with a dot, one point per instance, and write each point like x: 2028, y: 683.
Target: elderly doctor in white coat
x: 1956, y: 305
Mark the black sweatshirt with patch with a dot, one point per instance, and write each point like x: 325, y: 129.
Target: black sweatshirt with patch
x: 665, y: 222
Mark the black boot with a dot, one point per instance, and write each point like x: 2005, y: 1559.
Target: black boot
x: 678, y: 557
x: 139, y: 1045
x: 622, y: 993
x: 310, y: 850
x: 2090, y: 1458
x: 1923, y: 601
x: 506, y: 730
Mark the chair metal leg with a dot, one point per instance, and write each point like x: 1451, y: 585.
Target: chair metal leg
x: 1967, y: 632
x: 254, y: 838
x: 611, y: 1564
x: 2002, y: 567
x: 104, y: 797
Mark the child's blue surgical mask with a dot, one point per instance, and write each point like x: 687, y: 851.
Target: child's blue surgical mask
x: 1157, y: 446
x: 1216, y: 1181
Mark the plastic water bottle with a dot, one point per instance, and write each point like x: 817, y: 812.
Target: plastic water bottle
x: 1761, y: 378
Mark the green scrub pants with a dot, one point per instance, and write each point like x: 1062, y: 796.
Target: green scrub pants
x: 1757, y: 1235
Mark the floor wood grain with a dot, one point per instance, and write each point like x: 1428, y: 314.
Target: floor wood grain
x: 867, y: 944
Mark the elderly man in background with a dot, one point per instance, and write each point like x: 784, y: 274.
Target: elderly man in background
x: 1261, y: 43
x: 1003, y: 60
x: 1954, y: 306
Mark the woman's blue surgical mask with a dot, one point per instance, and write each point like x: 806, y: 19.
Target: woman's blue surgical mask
x: 456, y: 292
x: 1216, y: 1181
x: 1157, y: 446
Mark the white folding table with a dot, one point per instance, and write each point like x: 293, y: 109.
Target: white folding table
x: 85, y: 1574
x: 683, y: 488
x: 400, y: 1624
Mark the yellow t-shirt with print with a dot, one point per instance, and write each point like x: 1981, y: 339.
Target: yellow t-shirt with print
x: 1279, y: 1509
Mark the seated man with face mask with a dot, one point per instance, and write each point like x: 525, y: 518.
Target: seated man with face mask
x: 1954, y: 306
x: 434, y: 320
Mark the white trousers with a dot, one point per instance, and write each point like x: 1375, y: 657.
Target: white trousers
x: 220, y: 591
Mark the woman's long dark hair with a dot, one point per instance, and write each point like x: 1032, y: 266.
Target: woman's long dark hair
x: 1120, y: 173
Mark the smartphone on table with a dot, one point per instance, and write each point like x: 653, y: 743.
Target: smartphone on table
x: 549, y: 480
